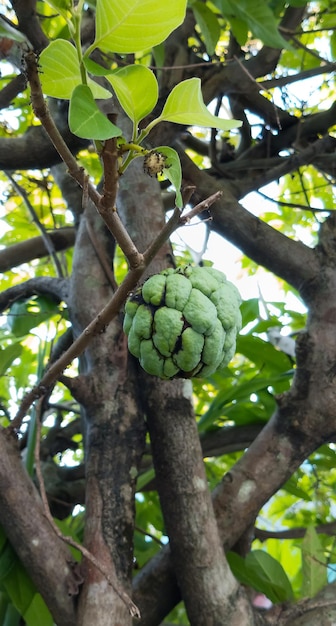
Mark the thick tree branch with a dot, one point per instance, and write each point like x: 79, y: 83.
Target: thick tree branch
x: 54, y: 287
x: 208, y: 588
x: 32, y: 535
x: 282, y: 81
x: 288, y: 259
x: 33, y: 150
x: 11, y: 90
x: 301, y: 133
x: 34, y: 248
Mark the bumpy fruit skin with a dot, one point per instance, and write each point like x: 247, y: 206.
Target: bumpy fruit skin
x: 183, y: 322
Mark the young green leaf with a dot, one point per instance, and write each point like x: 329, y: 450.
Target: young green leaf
x: 60, y: 72
x: 172, y: 171
x: 86, y: 120
x: 135, y: 25
x: 314, y: 567
x: 136, y: 89
x: 185, y: 105
x: 63, y: 7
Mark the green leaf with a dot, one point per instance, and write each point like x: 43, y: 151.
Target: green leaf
x: 136, y: 89
x: 60, y: 72
x: 8, y: 355
x: 173, y: 171
x: 63, y: 7
x: 263, y: 573
x: 273, y: 578
x: 314, y: 564
x: 237, y: 393
x: 291, y: 487
x: 95, y: 69
x: 27, y: 314
x: 136, y: 25
x: 209, y: 25
x: 23, y: 595
x: 239, y: 29
x: 86, y: 120
x: 249, y: 311
x: 259, y: 18
x: 37, y: 613
x: 185, y: 105
x: 263, y: 354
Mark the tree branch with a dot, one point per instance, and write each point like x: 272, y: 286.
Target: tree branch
x: 32, y: 535
x: 34, y: 248
x: 207, y: 585
x: 293, y: 533
x: 107, y: 573
x: 29, y: 23
x: 302, y: 157
x: 288, y: 259
x: 55, y: 287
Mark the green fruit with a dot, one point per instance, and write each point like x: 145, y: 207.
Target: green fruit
x: 184, y: 322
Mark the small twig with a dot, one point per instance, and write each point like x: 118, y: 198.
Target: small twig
x: 44, y: 233
x: 133, y: 609
x: 148, y: 534
x: 245, y: 70
x: 201, y: 206
x: 301, y: 45
x: 292, y: 205
x: 85, y: 197
x: 302, y: 182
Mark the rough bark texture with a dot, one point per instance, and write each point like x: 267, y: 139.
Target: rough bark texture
x: 30, y: 533
x: 209, y: 590
x: 114, y: 436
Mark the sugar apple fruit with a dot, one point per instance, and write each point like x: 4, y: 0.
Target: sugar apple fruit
x: 183, y: 322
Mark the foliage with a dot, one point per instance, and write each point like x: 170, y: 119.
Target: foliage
x: 124, y: 56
